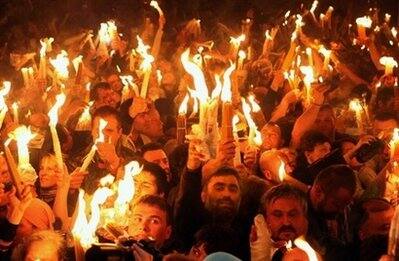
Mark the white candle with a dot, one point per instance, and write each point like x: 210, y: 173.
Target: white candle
x: 389, y: 63
x: 89, y: 157
x: 53, y: 115
x: 363, y: 23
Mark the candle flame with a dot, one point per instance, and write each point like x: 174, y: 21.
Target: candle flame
x: 255, y: 106
x: 84, y: 121
x: 237, y: 41
x: 394, y: 32
x: 107, y: 180
x: 218, y: 88
x: 364, y: 21
x: 394, y: 142
x: 126, y: 185
x: 308, y: 72
x: 22, y: 135
x: 183, y: 105
x: 314, y: 6
x: 142, y: 49
x: 281, y: 171
x: 242, y: 54
x: 46, y: 46
x: 101, y: 138
x: 302, y: 244
x: 103, y: 34
x: 76, y: 62
x: 388, y: 61
x: 255, y: 137
x: 53, y: 113
x: 226, y: 89
x: 201, y: 89
x: 156, y: 6
x: 355, y: 105
x: 60, y: 64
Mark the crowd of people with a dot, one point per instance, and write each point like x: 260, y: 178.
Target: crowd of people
x: 308, y: 176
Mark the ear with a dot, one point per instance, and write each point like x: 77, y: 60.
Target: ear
x: 308, y: 156
x: 267, y: 174
x: 168, y: 232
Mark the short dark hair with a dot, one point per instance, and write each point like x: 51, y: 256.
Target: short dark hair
x: 334, y: 177
x: 310, y: 139
x: 385, y: 116
x: 159, y: 202
x: 106, y: 111
x: 96, y: 87
x: 150, y: 147
x: 214, y: 239
x: 222, y: 171
x: 283, y: 191
x: 159, y: 174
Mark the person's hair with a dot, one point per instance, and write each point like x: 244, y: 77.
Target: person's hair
x: 372, y: 205
x: 94, y: 90
x: 47, y: 236
x: 283, y: 191
x: 159, y: 202
x: 150, y: 147
x: 214, y: 239
x: 385, y: 116
x: 384, y: 94
x: 108, y: 111
x: 222, y: 171
x: 124, y: 114
x: 361, y: 91
x: 373, y: 248
x: 49, y: 158
x: 334, y: 177
x: 159, y: 174
x: 311, y: 139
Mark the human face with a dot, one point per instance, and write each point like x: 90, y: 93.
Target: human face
x: 40, y: 250
x: 48, y: 173
x: 149, y: 222
x: 222, y: 196
x: 115, y: 82
x: 107, y: 97
x: 325, y: 122
x: 335, y: 202
x: 319, y: 151
x: 158, y: 157
x: 198, y: 252
x: 286, y: 219
x: 377, y: 223
x: 144, y: 184
x: 149, y: 123
x: 271, y: 137
x: 112, y: 131
x: 385, y: 127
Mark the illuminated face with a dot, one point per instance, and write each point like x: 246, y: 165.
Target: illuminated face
x: 198, y: 252
x: 319, y: 152
x: 158, y: 157
x: 378, y: 223
x: 107, y: 97
x: 48, y: 172
x: 325, y: 122
x: 112, y: 132
x: 144, y: 184
x: 149, y: 123
x: 286, y: 219
x: 149, y: 222
x: 40, y: 250
x: 271, y: 137
x: 385, y: 127
x: 335, y: 202
x: 222, y: 196
x: 115, y: 82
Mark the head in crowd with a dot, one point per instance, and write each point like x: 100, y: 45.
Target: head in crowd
x: 271, y: 137
x: 361, y: 92
x: 285, y: 210
x: 289, y: 156
x: 325, y: 121
x: 385, y: 100
x: 376, y: 217
x: 48, y: 171
x: 333, y: 190
x: 148, y: 123
x: 211, y: 239
x: 152, y: 180
x: 41, y: 245
x: 154, y: 153
x: 112, y: 131
x: 221, y: 193
x: 346, y: 145
x: 270, y: 163
x: 384, y: 123
x: 314, y: 145
x: 103, y: 95
x: 151, y: 220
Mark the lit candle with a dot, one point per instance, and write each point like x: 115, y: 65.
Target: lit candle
x: 281, y: 171
x: 13, y: 169
x: 313, y: 8
x: 84, y: 122
x: 89, y: 157
x: 24, y: 72
x: 393, y: 144
x: 302, y: 244
x: 328, y: 16
x: 237, y: 156
x: 159, y: 77
x: 254, y: 137
x: 389, y: 63
x: 22, y: 135
x: 53, y: 115
x: 355, y: 106
x: 3, y: 106
x: 307, y: 80
x: 227, y: 106
x: 256, y: 111
x: 60, y: 64
x: 235, y: 45
x: 78, y: 66
x: 14, y: 107
x: 363, y: 23
x: 267, y: 43
x: 156, y: 6
x: 181, y: 121
x: 42, y: 65
x: 327, y: 55
x: 310, y: 56
x: 145, y: 66
x: 241, y: 58
x: 128, y: 85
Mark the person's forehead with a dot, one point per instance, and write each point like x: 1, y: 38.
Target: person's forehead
x: 341, y: 194
x: 147, y: 211
x: 285, y: 204
x: 228, y: 179
x: 155, y: 154
x: 271, y: 129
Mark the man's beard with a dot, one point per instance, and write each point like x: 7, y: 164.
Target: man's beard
x: 286, y: 229
x: 222, y: 210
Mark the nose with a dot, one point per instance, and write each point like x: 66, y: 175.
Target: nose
x: 286, y: 220
x: 143, y: 226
